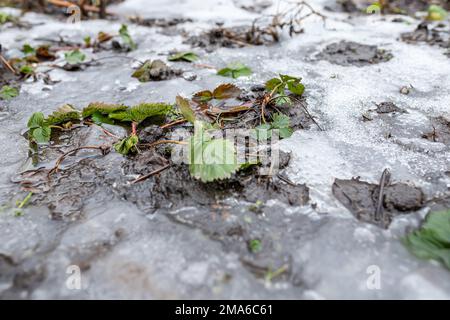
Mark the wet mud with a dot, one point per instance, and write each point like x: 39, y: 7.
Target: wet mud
x: 347, y: 53
x: 363, y: 198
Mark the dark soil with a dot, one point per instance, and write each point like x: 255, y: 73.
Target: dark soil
x: 440, y: 131
x: 234, y: 37
x: 409, y: 7
x: 351, y: 53
x: 388, y: 107
x: 425, y: 34
x: 361, y: 198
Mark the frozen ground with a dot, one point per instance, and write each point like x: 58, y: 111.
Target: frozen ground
x: 125, y: 253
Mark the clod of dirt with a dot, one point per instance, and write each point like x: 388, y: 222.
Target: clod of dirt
x: 351, y: 53
x: 234, y: 37
x: 361, y: 198
x: 423, y: 33
x: 388, y: 107
x: 175, y: 188
x: 155, y: 70
x: 440, y: 131
x: 159, y: 22
x: 408, y: 7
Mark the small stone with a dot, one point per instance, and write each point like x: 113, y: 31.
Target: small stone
x: 404, y: 90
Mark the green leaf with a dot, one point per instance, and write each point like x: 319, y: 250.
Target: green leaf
x: 5, y: 17
x: 7, y: 92
x: 263, y: 132
x: 235, y: 70
x: 142, y: 112
x: 285, y: 82
x: 183, y: 56
x: 436, y: 13
x: 26, y: 69
x: 41, y: 134
x: 255, y: 245
x: 280, y: 101
x: 102, y: 108
x: 296, y: 88
x: 185, y: 108
x: 28, y: 50
x: 211, y: 159
x: 99, y: 118
x: 127, y: 145
x: 282, y: 123
x: 74, y: 56
x: 63, y: 114
x: 272, y: 84
x: 36, y: 120
x: 126, y: 38
x: 432, y: 240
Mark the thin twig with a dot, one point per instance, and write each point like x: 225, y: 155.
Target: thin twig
x: 384, y: 182
x: 154, y: 144
x: 145, y: 177
x: 173, y: 123
x: 62, y: 157
x: 7, y: 65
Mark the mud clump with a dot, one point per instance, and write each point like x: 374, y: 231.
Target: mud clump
x: 361, y: 198
x: 440, y: 131
x: 175, y: 188
x: 155, y: 70
x: 388, y: 107
x: 159, y: 22
x: 347, y: 53
x: 423, y: 34
x: 234, y: 37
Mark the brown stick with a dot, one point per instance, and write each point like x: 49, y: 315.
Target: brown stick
x: 145, y: 177
x: 173, y: 123
x: 154, y: 144
x: 7, y: 65
x: 62, y: 157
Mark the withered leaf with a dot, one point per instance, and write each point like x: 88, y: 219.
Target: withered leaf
x: 185, y: 109
x: 226, y: 91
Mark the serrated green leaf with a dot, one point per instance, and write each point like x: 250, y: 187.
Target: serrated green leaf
x: 141, y: 112
x: 99, y: 118
x: 183, y: 56
x: 211, y: 159
x: 280, y: 101
x: 8, y: 92
x: 41, y: 134
x: 263, y: 132
x: 102, y: 108
x: 63, y: 114
x: 272, y: 84
x: 36, y: 120
x: 126, y: 38
x: 185, y: 108
x: 432, y: 240
x: 127, y: 145
x: 74, y: 57
x: 296, y: 88
x: 282, y: 123
x: 293, y: 84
